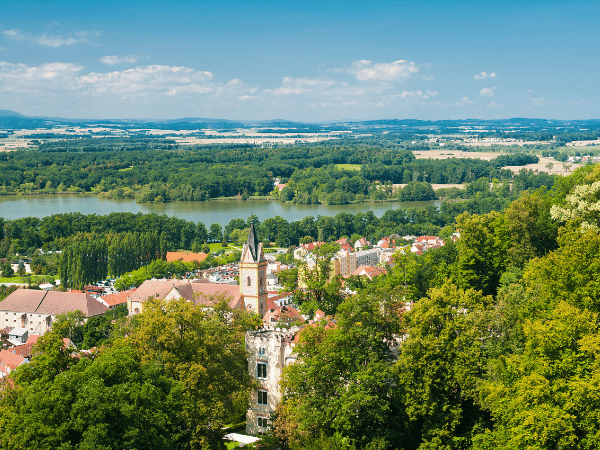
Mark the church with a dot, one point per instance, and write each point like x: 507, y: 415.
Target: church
x: 251, y: 294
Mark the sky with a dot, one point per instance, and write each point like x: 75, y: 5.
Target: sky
x: 306, y: 61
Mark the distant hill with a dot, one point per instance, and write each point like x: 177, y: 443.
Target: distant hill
x: 8, y: 113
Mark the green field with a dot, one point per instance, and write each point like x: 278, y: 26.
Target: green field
x: 348, y: 166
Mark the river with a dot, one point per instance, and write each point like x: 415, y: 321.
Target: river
x: 211, y: 211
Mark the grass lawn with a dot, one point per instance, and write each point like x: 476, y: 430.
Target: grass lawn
x: 31, y: 279
x: 216, y: 246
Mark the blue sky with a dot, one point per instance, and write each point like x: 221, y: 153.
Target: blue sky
x: 309, y: 61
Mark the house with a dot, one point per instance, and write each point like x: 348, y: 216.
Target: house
x: 345, y: 245
x: 196, y: 291
x: 18, y: 335
x: 369, y: 271
x: 36, y: 310
x: 9, y: 361
x: 116, y: 299
x: 362, y: 244
x: 304, y: 249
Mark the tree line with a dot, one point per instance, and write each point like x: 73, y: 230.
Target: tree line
x: 145, y: 171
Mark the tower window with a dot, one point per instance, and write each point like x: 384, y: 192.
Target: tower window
x: 261, y: 370
x: 249, y: 282
x: 263, y: 422
x: 262, y: 398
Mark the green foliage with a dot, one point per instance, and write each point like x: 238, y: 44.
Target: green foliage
x: 6, y: 269
x: 548, y: 396
x: 317, y: 288
x: 417, y: 191
x: 173, y: 378
x: 439, y: 365
x: 482, y: 251
x: 341, y: 387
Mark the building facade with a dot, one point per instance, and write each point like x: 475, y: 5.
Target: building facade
x: 269, y: 351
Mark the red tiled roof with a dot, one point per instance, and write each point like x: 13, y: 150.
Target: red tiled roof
x: 186, y: 256
x: 205, y: 293
x: 4, y: 331
x: 23, y: 350
x: 369, y: 271
x: 10, y: 360
x: 118, y: 298
x: 153, y: 289
x: 32, y: 338
x: 285, y: 313
x: 51, y: 302
x: 312, y: 245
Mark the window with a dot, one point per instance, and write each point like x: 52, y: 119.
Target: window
x: 249, y: 282
x: 263, y: 422
x: 261, y: 370
x: 261, y: 351
x: 262, y: 398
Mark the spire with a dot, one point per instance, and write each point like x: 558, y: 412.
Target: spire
x: 252, y: 242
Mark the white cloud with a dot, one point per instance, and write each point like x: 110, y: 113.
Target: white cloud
x: 67, y: 77
x: 541, y: 101
x: 299, y: 86
x: 487, y: 92
x: 55, y: 41
x: 463, y: 102
x: 50, y: 41
x: 365, y: 70
x: 484, y: 75
x: 494, y: 105
x: 14, y: 34
x: 114, y: 59
x: 418, y: 94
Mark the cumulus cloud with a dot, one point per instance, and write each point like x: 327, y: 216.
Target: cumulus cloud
x: 67, y: 77
x: 541, y: 101
x: 484, y: 75
x: 114, y: 59
x: 494, y: 105
x: 299, y: 86
x: 463, y: 102
x: 43, y: 39
x: 487, y: 92
x: 418, y: 94
x: 365, y: 70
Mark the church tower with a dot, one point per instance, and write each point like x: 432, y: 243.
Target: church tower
x: 253, y: 275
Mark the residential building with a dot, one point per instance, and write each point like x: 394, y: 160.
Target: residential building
x: 197, y: 291
x: 36, y: 310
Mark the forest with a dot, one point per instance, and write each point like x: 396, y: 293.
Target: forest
x: 152, y: 171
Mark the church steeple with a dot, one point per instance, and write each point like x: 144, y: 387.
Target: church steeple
x: 253, y: 274
x: 252, y: 243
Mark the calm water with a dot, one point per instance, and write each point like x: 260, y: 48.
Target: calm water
x: 212, y: 211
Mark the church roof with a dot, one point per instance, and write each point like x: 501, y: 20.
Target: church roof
x: 252, y: 242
